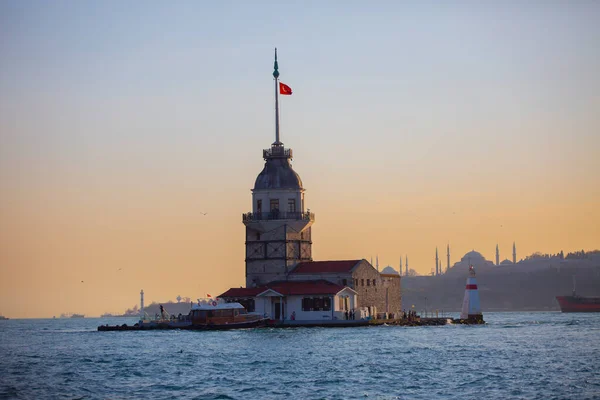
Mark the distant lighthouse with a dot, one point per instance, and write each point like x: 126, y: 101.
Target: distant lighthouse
x: 471, y: 310
x: 142, y: 305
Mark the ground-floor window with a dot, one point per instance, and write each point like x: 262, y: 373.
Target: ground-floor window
x: 316, y: 304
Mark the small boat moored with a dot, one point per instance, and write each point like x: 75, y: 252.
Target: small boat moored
x: 207, y: 314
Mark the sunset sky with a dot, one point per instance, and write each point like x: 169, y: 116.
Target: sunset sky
x: 413, y: 125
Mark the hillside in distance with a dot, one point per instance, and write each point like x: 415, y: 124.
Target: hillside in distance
x: 504, y: 288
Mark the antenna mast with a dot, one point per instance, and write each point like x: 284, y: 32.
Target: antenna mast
x: 276, y: 76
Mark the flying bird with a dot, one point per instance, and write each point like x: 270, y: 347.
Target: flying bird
x: 203, y: 213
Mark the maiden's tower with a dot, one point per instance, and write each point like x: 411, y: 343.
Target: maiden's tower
x: 278, y: 228
x: 282, y: 280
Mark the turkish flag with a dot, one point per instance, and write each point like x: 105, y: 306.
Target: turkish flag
x: 284, y: 89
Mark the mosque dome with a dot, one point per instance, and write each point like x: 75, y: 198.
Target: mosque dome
x: 473, y: 256
x: 389, y: 271
x: 506, y: 262
x: 278, y: 174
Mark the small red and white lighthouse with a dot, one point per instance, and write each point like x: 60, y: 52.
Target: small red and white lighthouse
x: 471, y: 310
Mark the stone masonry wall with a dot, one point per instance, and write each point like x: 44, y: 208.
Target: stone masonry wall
x: 282, y: 250
x: 372, y: 289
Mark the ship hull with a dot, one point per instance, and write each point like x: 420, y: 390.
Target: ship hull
x: 578, y: 304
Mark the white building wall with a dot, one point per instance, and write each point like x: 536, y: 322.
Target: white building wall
x: 262, y: 305
x: 295, y: 304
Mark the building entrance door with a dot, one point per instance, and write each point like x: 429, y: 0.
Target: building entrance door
x: 277, y: 310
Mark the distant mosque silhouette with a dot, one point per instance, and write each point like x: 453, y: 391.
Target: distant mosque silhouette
x: 472, y: 258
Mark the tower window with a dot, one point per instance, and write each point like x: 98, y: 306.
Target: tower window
x: 374, y: 282
x: 274, y: 204
x: 362, y: 282
x: 292, y: 205
x: 368, y: 282
x: 259, y: 206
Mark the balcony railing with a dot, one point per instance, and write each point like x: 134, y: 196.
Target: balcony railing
x: 277, y: 215
x: 277, y: 152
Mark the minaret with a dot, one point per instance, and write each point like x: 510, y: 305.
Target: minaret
x: 448, y: 258
x: 377, y: 262
x: 437, y: 262
x: 400, y: 269
x: 278, y: 230
x: 514, y: 253
x: 406, y: 263
x: 497, y: 255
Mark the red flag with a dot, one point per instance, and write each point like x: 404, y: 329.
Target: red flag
x: 208, y: 295
x: 284, y: 89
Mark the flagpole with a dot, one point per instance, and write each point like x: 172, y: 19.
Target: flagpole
x: 276, y: 76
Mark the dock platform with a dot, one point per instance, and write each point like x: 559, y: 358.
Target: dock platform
x: 292, y: 324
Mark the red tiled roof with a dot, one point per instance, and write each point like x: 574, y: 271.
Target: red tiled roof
x: 287, y: 288
x: 242, y: 292
x: 305, y: 287
x: 315, y: 267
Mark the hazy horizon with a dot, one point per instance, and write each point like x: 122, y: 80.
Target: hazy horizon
x: 412, y: 125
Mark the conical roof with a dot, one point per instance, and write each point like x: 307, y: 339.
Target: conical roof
x: 278, y: 174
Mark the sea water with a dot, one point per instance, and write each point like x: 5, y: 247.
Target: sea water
x: 515, y: 355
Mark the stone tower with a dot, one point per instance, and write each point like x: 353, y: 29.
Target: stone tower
x: 278, y: 230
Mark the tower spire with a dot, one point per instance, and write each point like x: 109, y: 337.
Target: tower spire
x: 437, y: 263
x: 276, y: 76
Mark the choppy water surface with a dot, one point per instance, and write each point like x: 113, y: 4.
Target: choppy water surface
x: 516, y: 355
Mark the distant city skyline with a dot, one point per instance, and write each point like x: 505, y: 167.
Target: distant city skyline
x: 130, y: 136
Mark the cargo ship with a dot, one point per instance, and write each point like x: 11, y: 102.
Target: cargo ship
x: 576, y: 303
